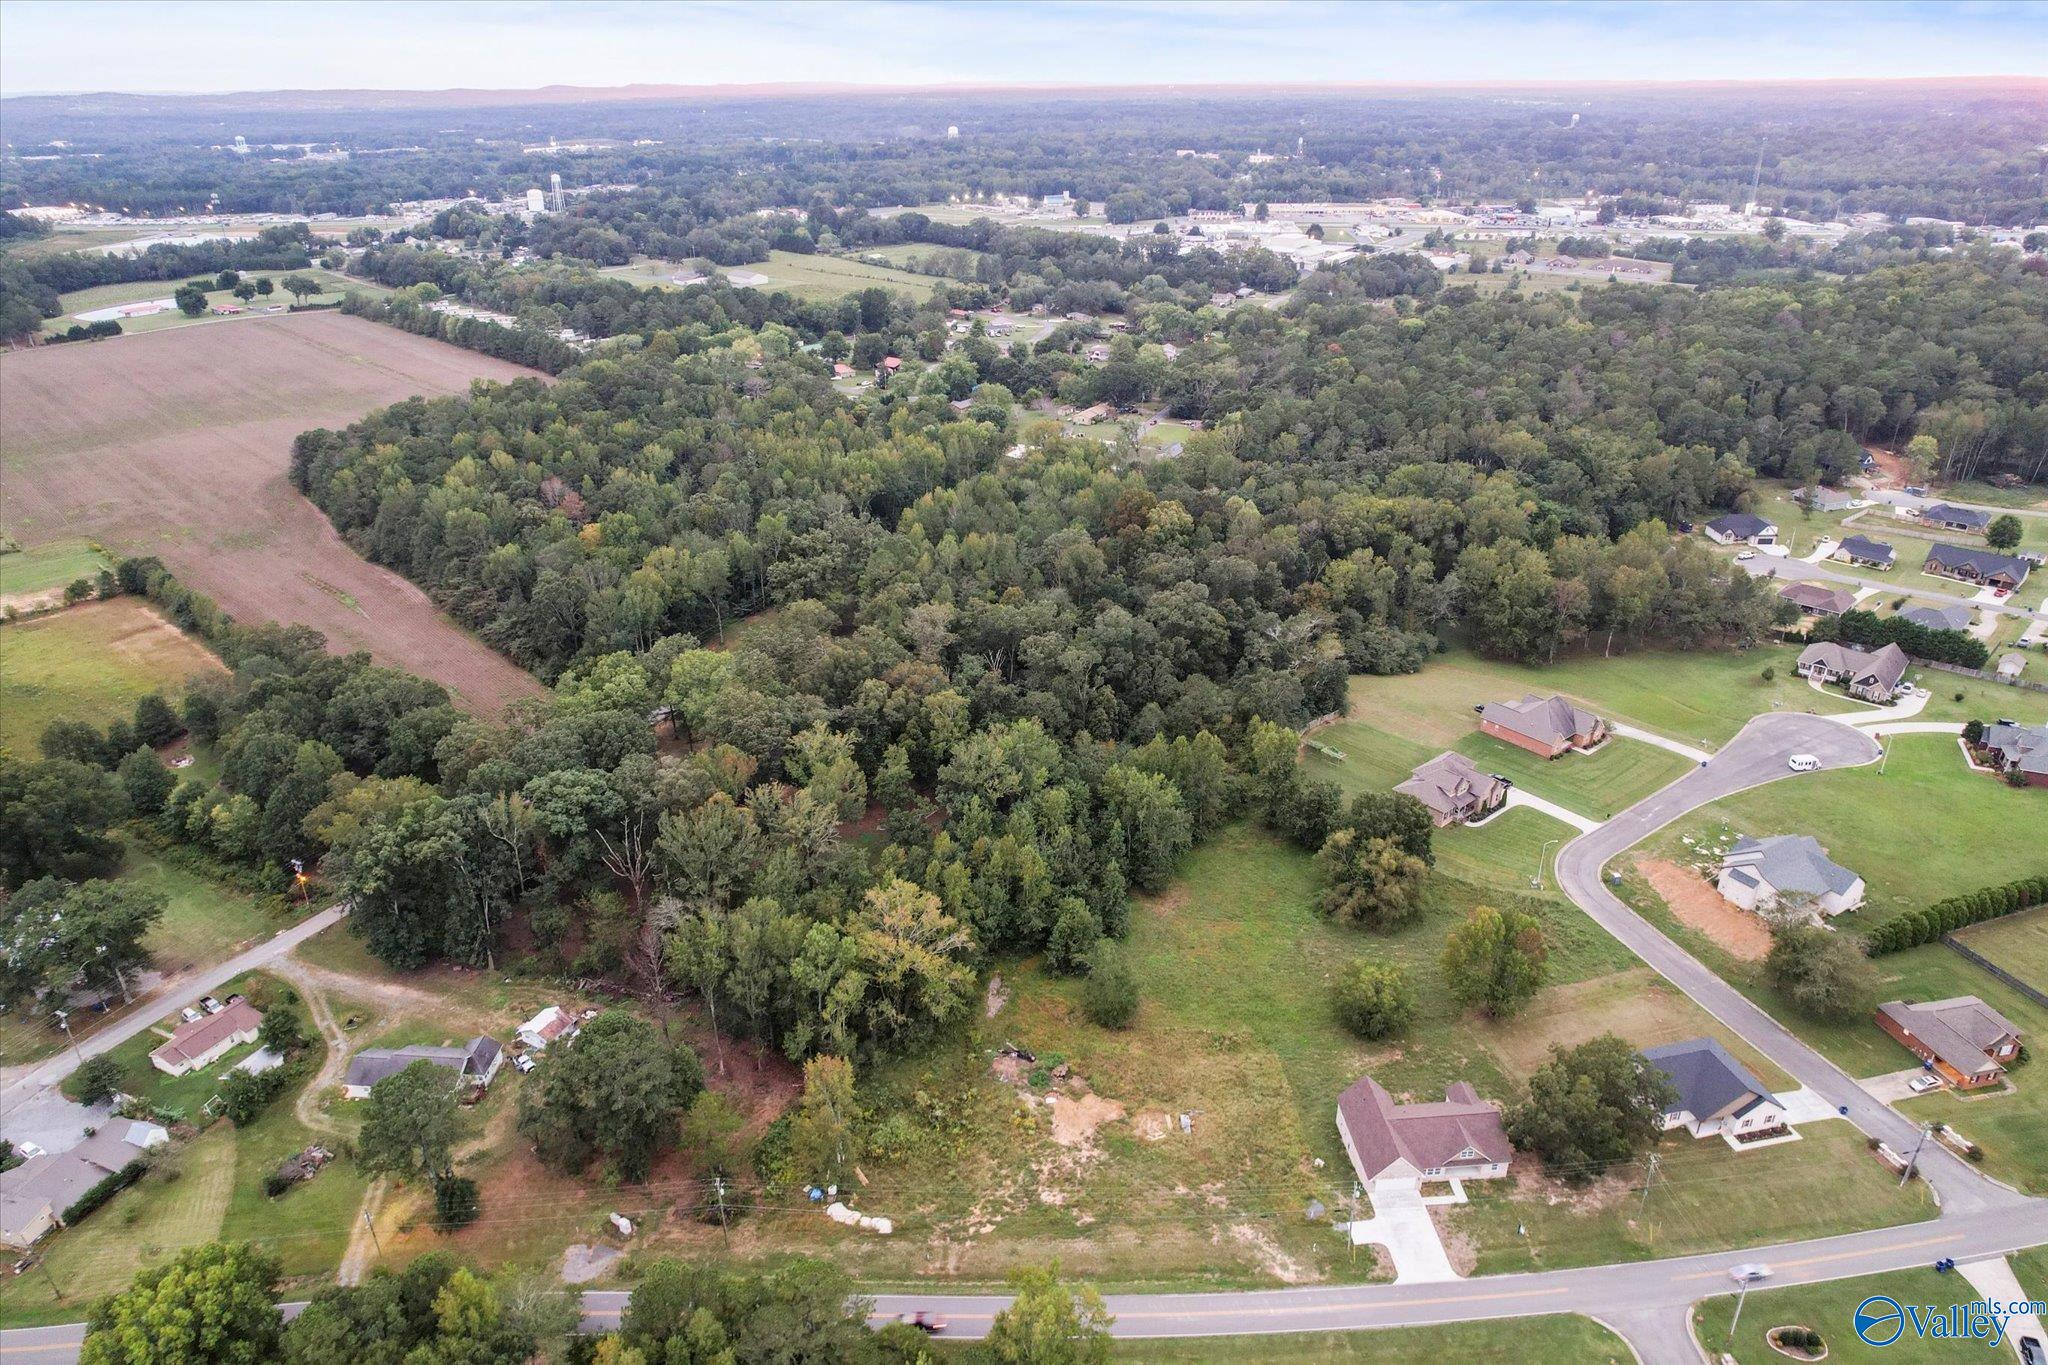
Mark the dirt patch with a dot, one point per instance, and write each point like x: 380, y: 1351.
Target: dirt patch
x: 582, y: 1263
x: 1076, y: 1117
x: 997, y: 997
x: 1700, y: 906
x: 178, y: 444
x: 1152, y: 1125
x: 1892, y: 468
x: 1272, y: 1259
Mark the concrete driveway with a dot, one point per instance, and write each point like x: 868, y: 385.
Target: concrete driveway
x: 1894, y: 1086
x: 1401, y: 1223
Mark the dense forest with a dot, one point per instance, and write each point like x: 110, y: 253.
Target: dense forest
x: 1959, y: 149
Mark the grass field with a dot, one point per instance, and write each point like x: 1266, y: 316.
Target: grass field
x: 92, y: 663
x: 43, y: 571
x: 813, y: 278
x: 1965, y: 829
x: 1539, y: 1341
x: 93, y: 448
x: 1830, y: 1310
x: 141, y: 291
x: 2018, y: 943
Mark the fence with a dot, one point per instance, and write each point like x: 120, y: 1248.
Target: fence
x: 1987, y: 677
x: 2001, y: 973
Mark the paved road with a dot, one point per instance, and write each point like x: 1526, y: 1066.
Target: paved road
x: 1790, y: 570
x: 187, y: 986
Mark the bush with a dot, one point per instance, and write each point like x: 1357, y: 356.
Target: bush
x: 96, y: 1079
x: 1109, y: 996
x: 1820, y: 971
x: 1373, y: 998
x: 1928, y: 924
x: 245, y: 1095
x: 456, y: 1202
x: 105, y: 1190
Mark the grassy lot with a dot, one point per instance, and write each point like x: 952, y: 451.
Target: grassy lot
x: 2018, y: 943
x: 141, y: 291
x: 814, y: 278
x: 1703, y: 1197
x: 49, y: 568
x: 1558, y: 1338
x: 79, y: 239
x: 91, y: 662
x: 1830, y: 1310
x: 2029, y: 497
x: 1953, y: 816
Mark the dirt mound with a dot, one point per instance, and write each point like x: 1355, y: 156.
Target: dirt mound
x: 1076, y: 1117
x: 1699, y: 905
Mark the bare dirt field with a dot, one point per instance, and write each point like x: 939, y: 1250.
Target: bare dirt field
x: 1744, y: 935
x: 178, y: 443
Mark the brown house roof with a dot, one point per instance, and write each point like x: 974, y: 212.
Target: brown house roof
x: 190, y: 1042
x: 1961, y: 1030
x: 1813, y: 597
x: 1449, y: 783
x: 1428, y: 1136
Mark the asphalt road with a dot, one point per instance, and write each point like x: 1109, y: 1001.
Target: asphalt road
x: 1646, y: 1300
x: 1789, y: 570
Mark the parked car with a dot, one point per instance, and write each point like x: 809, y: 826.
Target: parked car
x: 1750, y: 1272
x: 1923, y: 1083
x: 2031, y: 1352
x: 190, y: 1015
x: 931, y: 1324
x: 1745, y: 554
x: 522, y: 1063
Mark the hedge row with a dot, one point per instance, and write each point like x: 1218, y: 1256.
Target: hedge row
x: 106, y: 1189
x: 1916, y: 927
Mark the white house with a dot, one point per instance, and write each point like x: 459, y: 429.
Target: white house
x: 199, y: 1042
x: 1717, y: 1095
x: 1757, y: 872
x: 550, y: 1025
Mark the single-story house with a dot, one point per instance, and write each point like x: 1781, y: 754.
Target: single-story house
x: 1986, y: 567
x: 35, y: 1194
x: 1454, y: 789
x: 2011, y: 746
x: 1938, y: 618
x: 1871, y: 554
x: 2010, y: 666
x: 1097, y: 412
x: 1460, y: 1138
x: 550, y: 1025
x: 1744, y: 527
x: 1542, y: 725
x: 475, y: 1064
x: 1717, y: 1095
x: 1872, y: 674
x: 1820, y: 601
x: 1968, y: 1042
x: 195, y: 1044
x: 1756, y: 872
x: 841, y: 370
x: 1965, y: 519
x: 1825, y: 499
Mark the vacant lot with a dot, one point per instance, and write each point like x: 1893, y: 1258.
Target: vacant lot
x: 32, y: 579
x: 90, y: 662
x: 2018, y: 943
x: 178, y: 446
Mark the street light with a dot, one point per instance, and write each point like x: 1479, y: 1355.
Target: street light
x: 64, y: 1022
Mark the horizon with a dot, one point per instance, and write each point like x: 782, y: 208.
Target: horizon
x: 60, y: 48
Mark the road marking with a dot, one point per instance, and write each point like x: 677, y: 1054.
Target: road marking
x: 1836, y: 1256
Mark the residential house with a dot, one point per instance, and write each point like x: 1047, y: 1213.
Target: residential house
x: 841, y: 370
x: 1717, y: 1095
x: 1824, y: 499
x: 2011, y: 747
x: 1543, y: 725
x: 1744, y: 528
x: 1955, y: 617
x: 1757, y: 873
x: 1968, y: 520
x: 1099, y: 412
x: 1460, y: 1138
x: 551, y: 1025
x: 1816, y: 600
x: 35, y: 1195
x: 1221, y: 299
x: 1966, y: 1040
x: 195, y: 1044
x: 1987, y: 568
x: 1454, y: 789
x: 1872, y: 674
x: 474, y: 1065
x: 1871, y: 554
x: 1098, y: 354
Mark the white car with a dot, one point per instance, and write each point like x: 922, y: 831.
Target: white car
x: 1749, y: 1273
x: 1923, y: 1083
x: 1745, y: 554
x: 1802, y: 763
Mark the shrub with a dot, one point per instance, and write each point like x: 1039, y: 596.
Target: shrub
x: 105, y: 1190
x: 1770, y: 673
x: 1110, y: 994
x: 96, y: 1079
x: 1373, y: 998
x: 456, y: 1202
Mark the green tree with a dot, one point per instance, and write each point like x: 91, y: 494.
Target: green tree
x: 300, y: 287
x: 822, y: 1133
x: 1823, y: 973
x: 1110, y: 994
x: 409, y: 1124
x: 615, y: 1091
x: 1494, y: 961
x: 96, y: 1079
x: 1371, y: 881
x: 281, y: 1030
x: 191, y: 300
x: 213, y: 1303
x: 53, y: 820
x: 1373, y: 998
x: 2005, y: 532
x: 146, y: 781
x: 1049, y: 1322
x: 1590, y: 1107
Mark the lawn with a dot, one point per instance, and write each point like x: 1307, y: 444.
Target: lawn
x: 817, y: 279
x: 1830, y: 1310
x: 91, y: 662
x: 1540, y: 1340
x: 142, y: 291
x: 1965, y: 829
x: 2017, y: 943
x: 44, y: 569
x: 1703, y: 1196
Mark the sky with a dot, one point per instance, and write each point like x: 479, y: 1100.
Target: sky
x: 49, y: 46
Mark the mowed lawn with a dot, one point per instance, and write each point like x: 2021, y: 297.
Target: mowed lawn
x: 1559, y: 1338
x: 1830, y: 1309
x: 812, y: 278
x: 333, y: 287
x: 92, y: 663
x: 2017, y: 943
x: 1928, y: 826
x: 37, y: 570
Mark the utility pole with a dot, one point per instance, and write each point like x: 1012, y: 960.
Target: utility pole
x: 64, y: 1022
x: 1542, y: 856
x: 1887, y: 756
x: 1913, y: 1162
x: 1649, y: 1177
x: 1349, y: 1235
x: 718, y: 1188
x: 371, y: 1224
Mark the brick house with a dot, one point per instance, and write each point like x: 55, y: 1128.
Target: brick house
x: 1966, y: 1040
x: 1455, y: 789
x: 1543, y: 725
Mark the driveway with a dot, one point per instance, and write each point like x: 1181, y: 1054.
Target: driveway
x: 1993, y: 1278
x: 1519, y: 796
x: 1401, y: 1223
x: 1894, y: 1086
x: 1661, y: 741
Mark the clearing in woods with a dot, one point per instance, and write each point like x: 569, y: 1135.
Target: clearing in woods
x: 178, y: 444
x: 91, y: 662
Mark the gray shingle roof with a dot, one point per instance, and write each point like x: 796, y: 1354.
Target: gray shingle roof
x: 375, y: 1064
x: 1863, y: 547
x: 1885, y: 665
x: 1938, y: 618
x: 1792, y: 862
x: 2025, y: 745
x: 1983, y: 563
x: 1742, y: 524
x: 1960, y: 1030
x: 1450, y: 782
x: 1706, y: 1077
x: 1549, y: 719
x: 1948, y: 515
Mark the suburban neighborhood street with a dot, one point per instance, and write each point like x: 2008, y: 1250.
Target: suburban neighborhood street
x: 1788, y: 570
